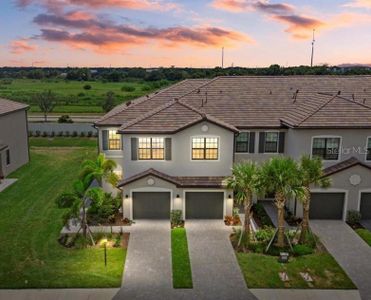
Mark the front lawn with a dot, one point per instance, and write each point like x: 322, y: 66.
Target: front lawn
x: 262, y: 271
x: 182, y: 274
x: 30, y: 222
x: 63, y: 142
x: 365, y: 235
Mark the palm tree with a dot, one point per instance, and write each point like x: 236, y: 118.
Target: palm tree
x: 243, y: 182
x: 311, y: 170
x: 99, y: 169
x: 281, y: 176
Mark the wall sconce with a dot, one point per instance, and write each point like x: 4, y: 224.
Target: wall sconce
x: 177, y: 195
x: 126, y: 196
x: 229, y: 197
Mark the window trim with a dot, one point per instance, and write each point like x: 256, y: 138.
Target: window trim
x: 366, y: 148
x: 204, y: 160
x: 278, y: 141
x: 328, y: 136
x: 248, y: 143
x: 151, y: 159
x: 108, y: 140
x: 8, y: 160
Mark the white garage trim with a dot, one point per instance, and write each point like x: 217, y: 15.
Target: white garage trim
x: 205, y: 191
x: 359, y: 197
x: 152, y: 190
x: 332, y: 190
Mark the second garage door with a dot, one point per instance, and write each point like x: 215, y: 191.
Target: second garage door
x: 327, y: 206
x: 151, y: 205
x: 204, y: 205
x: 365, y: 208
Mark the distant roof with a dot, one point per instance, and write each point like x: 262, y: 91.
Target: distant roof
x: 341, y: 166
x: 179, y: 181
x: 246, y: 102
x: 8, y: 106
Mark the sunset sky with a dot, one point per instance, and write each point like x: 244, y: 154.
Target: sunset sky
x: 190, y: 33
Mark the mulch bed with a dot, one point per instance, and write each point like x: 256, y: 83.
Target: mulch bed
x: 356, y: 226
x: 181, y: 225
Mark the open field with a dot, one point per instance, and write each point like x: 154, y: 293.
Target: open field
x: 71, y: 96
x: 30, y: 222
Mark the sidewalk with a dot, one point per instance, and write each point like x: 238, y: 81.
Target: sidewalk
x: 305, y: 294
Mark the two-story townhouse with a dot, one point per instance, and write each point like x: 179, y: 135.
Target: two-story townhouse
x: 175, y: 148
x: 13, y: 136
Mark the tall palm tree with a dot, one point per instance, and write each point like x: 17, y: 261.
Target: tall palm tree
x: 243, y: 182
x: 281, y: 176
x: 311, y: 170
x: 99, y: 169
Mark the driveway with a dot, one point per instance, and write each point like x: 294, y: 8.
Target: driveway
x: 349, y: 250
x: 215, y: 270
x: 366, y: 224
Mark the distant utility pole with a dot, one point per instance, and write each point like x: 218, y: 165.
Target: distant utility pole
x: 222, y: 57
x: 311, y: 58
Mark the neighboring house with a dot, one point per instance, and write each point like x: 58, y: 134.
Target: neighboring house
x: 175, y: 148
x: 13, y: 136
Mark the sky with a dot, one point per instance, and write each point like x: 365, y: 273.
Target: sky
x: 153, y: 33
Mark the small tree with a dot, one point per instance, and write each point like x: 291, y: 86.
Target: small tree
x: 243, y: 182
x: 311, y: 170
x: 46, y: 102
x: 109, y: 101
x: 281, y: 176
x: 99, y: 169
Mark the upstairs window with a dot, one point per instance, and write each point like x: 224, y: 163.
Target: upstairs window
x: 271, y: 142
x: 242, y: 142
x: 151, y: 148
x: 326, y: 147
x: 205, y: 148
x: 368, y: 156
x: 7, y: 157
x: 114, y: 140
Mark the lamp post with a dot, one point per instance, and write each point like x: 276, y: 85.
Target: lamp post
x: 104, y: 242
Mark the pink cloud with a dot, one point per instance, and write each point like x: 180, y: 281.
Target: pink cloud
x: 251, y: 5
x: 21, y: 46
x: 359, y: 4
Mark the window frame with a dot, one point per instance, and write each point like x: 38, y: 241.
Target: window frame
x: 151, y: 149
x: 278, y: 142
x: 7, y: 157
x: 204, y: 149
x: 109, y: 139
x: 327, y: 137
x: 248, y: 142
x: 368, y: 149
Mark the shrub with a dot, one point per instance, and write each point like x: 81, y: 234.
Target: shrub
x: 65, y: 200
x: 30, y: 133
x: 257, y: 247
x: 52, y: 134
x: 82, y: 134
x: 80, y: 94
x: 45, y: 134
x: 60, y: 133
x: 87, y: 87
x: 128, y: 88
x: 236, y: 211
x: 260, y: 212
x: 117, y: 241
x: 66, y: 133
x: 37, y: 133
x: 302, y: 250
x: 176, y: 217
x: 106, y: 210
x: 353, y: 217
x: 264, y: 235
x: 146, y: 88
x: 65, y: 119
x: 90, y: 134
x: 96, y: 134
x: 74, y: 133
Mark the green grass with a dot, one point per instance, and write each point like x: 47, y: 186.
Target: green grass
x: 30, y: 256
x: 365, y: 235
x: 261, y: 271
x: 71, y: 97
x: 182, y: 274
x: 63, y: 142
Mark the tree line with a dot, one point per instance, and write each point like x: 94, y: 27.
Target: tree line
x: 173, y: 73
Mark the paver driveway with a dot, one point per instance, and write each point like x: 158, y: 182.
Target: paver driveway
x: 349, y: 250
x: 215, y: 271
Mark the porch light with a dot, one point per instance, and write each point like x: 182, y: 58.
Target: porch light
x: 126, y: 196
x: 104, y: 243
x: 229, y: 197
x: 177, y: 195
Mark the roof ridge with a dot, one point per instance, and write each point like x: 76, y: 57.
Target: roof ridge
x: 355, y: 102
x: 317, y: 110
x: 144, y: 99
x: 199, y: 87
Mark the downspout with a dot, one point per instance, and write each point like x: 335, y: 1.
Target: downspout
x: 28, y: 139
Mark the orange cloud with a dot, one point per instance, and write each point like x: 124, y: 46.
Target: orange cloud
x: 21, y: 46
x: 251, y: 5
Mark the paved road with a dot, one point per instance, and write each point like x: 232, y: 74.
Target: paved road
x: 349, y: 250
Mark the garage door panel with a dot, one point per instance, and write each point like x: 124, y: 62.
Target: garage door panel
x: 327, y: 206
x: 365, y: 207
x: 204, y: 205
x: 151, y: 205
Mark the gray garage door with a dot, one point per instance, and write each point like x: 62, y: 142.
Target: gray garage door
x: 365, y: 208
x: 327, y: 206
x: 151, y: 205
x: 208, y: 205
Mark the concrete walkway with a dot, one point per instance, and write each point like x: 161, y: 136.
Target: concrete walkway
x: 7, y: 182
x: 271, y: 210
x: 349, y: 250
x: 305, y: 294
x: 215, y: 270
x: 58, y: 294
